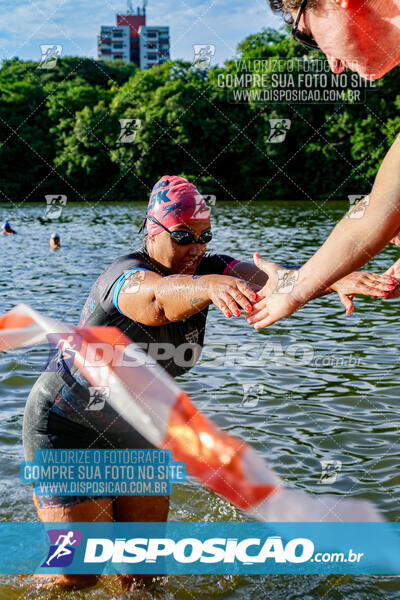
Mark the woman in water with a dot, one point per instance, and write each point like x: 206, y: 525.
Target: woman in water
x: 158, y: 296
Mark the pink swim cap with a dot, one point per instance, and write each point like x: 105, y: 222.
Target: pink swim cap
x: 173, y: 201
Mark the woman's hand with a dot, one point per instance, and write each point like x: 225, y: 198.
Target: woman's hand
x: 396, y: 240
x: 394, y: 272
x: 367, y: 284
x: 231, y: 294
x: 278, y: 299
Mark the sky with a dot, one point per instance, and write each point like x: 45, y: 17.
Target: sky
x: 75, y: 24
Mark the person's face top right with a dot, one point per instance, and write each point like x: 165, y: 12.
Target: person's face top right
x: 363, y: 35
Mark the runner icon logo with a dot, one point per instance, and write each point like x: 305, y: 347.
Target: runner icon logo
x: 129, y: 129
x: 330, y: 470
x: 192, y: 336
x: 286, y: 281
x: 358, y: 206
x: 98, y: 397
x: 133, y: 283
x: 251, y: 394
x: 63, y: 346
x: 202, y: 55
x: 50, y: 54
x: 209, y: 200
x: 55, y: 204
x: 61, y: 552
x: 279, y: 129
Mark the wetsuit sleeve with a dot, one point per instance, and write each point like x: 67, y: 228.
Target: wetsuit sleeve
x: 222, y: 264
x: 290, y: 266
x: 120, y: 282
x: 216, y: 264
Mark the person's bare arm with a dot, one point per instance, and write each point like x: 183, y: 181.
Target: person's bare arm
x: 351, y: 244
x: 160, y: 300
x: 354, y: 242
x: 252, y: 274
x: 368, y: 284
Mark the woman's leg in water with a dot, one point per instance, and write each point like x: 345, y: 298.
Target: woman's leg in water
x: 98, y: 511
x: 143, y: 509
x: 46, y: 429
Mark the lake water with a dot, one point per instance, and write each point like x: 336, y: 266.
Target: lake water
x: 331, y: 397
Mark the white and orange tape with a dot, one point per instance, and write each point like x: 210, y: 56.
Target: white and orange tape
x: 151, y: 401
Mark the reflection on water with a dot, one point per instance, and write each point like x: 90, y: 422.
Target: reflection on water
x: 323, y: 386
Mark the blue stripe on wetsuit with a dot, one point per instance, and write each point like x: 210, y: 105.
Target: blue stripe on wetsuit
x: 290, y: 266
x: 120, y: 282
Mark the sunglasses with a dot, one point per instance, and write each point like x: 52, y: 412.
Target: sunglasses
x: 299, y: 36
x: 180, y: 237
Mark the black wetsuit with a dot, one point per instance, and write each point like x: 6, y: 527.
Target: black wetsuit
x: 61, y: 412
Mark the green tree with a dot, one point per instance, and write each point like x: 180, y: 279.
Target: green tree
x: 60, y: 128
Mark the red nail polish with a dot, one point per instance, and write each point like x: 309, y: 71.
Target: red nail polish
x: 228, y: 314
x: 237, y: 313
x: 248, y: 308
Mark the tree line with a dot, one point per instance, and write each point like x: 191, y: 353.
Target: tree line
x: 108, y: 130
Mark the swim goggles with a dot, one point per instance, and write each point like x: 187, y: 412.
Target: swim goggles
x: 180, y: 237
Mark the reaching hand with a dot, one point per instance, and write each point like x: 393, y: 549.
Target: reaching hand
x: 394, y: 272
x: 277, y: 300
x: 396, y: 240
x: 231, y: 294
x: 361, y: 282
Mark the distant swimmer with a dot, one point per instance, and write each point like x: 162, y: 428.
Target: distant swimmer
x: 54, y: 242
x: 6, y: 229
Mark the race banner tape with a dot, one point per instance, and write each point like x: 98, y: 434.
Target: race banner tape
x: 151, y: 401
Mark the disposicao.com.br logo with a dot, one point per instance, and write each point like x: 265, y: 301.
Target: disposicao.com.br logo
x: 172, y: 548
x: 247, y: 551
